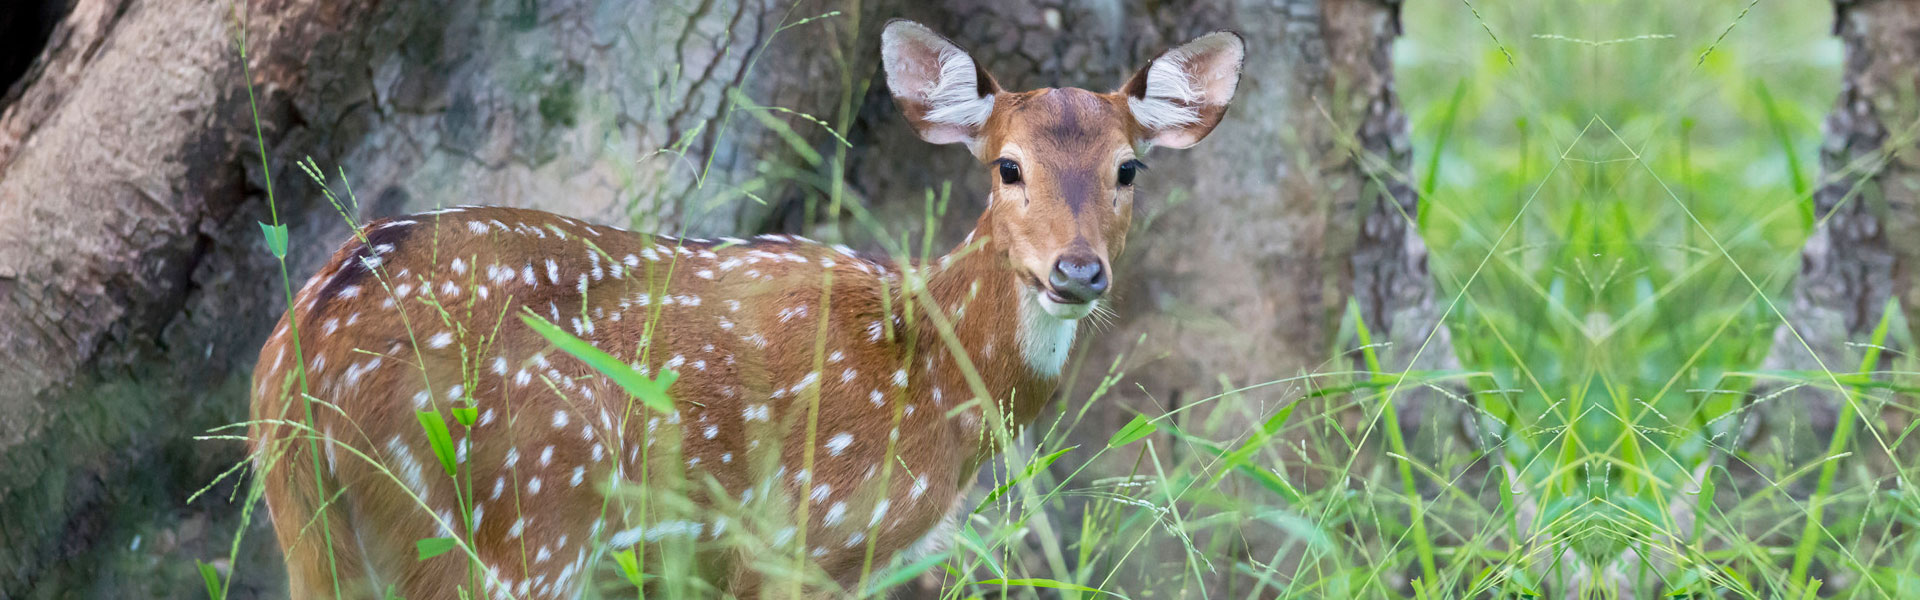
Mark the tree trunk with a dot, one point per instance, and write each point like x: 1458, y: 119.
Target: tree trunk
x: 1865, y: 248
x: 134, y: 291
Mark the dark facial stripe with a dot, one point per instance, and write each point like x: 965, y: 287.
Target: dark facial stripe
x: 1077, y: 188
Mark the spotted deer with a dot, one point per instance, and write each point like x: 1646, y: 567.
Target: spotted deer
x: 854, y: 395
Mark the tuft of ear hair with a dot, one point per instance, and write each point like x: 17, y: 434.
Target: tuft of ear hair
x: 945, y: 95
x: 1178, y: 98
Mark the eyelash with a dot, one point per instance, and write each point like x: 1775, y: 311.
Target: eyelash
x: 1129, y: 170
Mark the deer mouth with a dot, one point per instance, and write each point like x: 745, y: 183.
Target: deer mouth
x: 1056, y: 305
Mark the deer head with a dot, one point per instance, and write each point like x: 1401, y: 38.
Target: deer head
x: 1063, y: 161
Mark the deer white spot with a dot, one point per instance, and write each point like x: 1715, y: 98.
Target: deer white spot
x: 408, y: 467
x: 704, y: 274
x: 533, y: 485
x: 500, y: 366
x: 522, y: 378
x: 355, y: 372
x: 835, y: 514
x: 874, y: 331
x: 348, y: 293
x: 879, y: 511
x: 820, y: 493
x: 526, y: 276
x: 756, y: 412
x: 486, y: 418
x: 546, y: 456
x: 726, y: 457
x: 876, y: 398
x: 513, y: 457
x: 900, y: 378
x: 519, y: 527
x: 733, y: 306
x: 559, y: 419
x: 919, y: 488
x: 454, y: 393
x: 579, y: 475
x: 543, y: 555
x: 459, y: 265
x: 553, y: 271
x: 848, y: 375
x: 421, y: 400
x: 402, y: 290
x: 712, y: 431
x: 440, y: 340
x: 838, y: 443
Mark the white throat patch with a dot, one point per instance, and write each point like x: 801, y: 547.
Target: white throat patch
x: 1044, y: 338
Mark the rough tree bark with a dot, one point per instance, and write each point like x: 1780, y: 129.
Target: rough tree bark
x: 1866, y: 247
x: 134, y: 290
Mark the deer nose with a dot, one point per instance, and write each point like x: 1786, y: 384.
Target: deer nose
x: 1078, y: 279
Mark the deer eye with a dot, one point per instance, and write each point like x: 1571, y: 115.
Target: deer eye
x: 1130, y: 169
x: 1009, y: 171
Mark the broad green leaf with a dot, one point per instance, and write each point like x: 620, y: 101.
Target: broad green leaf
x: 1048, y: 583
x: 466, y: 415
x: 276, y: 239
x: 212, y: 577
x: 437, y: 437
x: 431, y: 547
x: 651, y: 392
x: 630, y: 567
x: 1138, y: 428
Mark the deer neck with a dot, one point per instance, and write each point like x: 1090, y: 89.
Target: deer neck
x: 1016, y: 348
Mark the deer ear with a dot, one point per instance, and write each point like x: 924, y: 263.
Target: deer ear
x: 945, y: 95
x: 1182, y: 94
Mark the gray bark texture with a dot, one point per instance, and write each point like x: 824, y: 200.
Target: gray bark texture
x: 1866, y: 247
x: 135, y: 290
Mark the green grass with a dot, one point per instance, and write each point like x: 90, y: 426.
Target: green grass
x: 1614, y: 196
